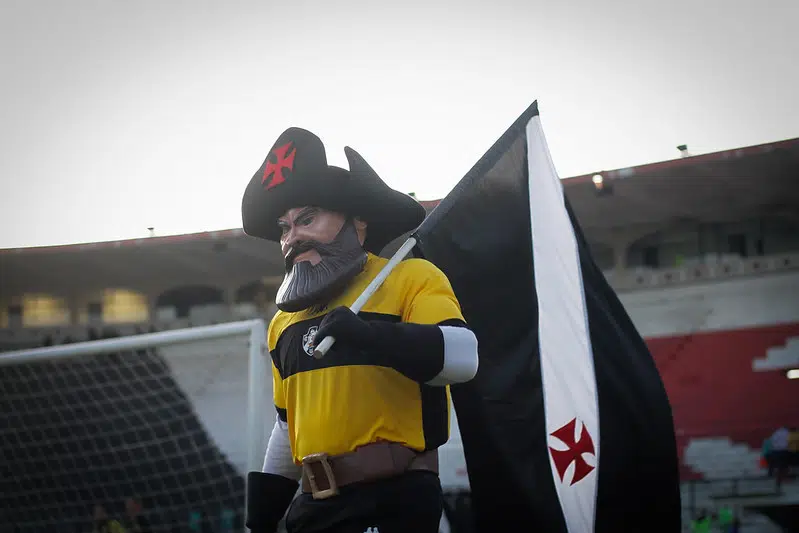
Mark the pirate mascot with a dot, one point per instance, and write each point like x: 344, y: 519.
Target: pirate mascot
x: 358, y: 430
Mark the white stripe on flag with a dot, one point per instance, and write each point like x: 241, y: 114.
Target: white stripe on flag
x: 567, y: 368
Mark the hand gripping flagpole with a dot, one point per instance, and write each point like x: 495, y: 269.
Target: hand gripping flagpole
x: 367, y: 293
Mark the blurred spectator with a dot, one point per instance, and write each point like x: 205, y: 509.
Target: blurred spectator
x: 781, y: 451
x: 103, y: 524
x: 725, y: 519
x: 702, y: 522
x: 136, y: 522
x: 195, y: 522
x: 199, y: 522
x: 779, y: 439
x: 793, y: 440
x: 226, y: 520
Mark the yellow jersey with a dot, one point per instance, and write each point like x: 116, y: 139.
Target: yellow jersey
x: 340, y: 402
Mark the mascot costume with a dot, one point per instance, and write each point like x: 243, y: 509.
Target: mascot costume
x: 358, y: 430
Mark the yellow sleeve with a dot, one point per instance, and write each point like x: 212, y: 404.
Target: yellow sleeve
x: 429, y: 295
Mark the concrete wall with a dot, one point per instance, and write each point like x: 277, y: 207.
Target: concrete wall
x: 715, y: 306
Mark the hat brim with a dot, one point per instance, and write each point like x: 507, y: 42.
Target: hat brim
x: 358, y: 193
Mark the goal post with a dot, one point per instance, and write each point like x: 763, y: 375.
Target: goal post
x: 157, y: 418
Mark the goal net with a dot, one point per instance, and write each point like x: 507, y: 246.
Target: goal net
x: 169, y: 422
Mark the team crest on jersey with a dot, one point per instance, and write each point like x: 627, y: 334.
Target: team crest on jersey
x: 308, y: 338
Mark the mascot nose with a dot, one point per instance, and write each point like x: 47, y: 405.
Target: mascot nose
x: 289, y: 241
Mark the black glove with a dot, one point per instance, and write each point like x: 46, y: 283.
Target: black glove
x: 346, y: 327
x: 415, y: 350
x: 268, y: 497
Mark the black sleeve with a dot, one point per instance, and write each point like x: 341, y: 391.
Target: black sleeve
x: 414, y: 350
x: 268, y: 497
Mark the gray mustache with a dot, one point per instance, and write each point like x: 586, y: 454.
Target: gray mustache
x: 297, y: 250
x: 332, y: 249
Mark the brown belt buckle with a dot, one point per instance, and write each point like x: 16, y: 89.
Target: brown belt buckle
x: 321, y: 458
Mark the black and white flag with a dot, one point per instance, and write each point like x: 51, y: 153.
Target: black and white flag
x: 567, y: 427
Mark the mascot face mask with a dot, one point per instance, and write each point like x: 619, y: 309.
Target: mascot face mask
x: 322, y: 252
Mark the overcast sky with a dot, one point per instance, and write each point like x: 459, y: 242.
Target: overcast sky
x: 119, y: 115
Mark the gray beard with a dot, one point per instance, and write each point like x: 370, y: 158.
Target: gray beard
x: 306, y: 285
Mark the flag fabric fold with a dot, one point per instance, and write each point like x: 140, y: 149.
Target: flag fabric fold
x: 567, y: 426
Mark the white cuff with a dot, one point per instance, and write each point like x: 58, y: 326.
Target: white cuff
x: 460, y: 356
x: 279, y: 459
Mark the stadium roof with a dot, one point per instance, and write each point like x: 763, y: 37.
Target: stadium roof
x: 722, y: 186
x: 150, y: 264
x: 717, y: 187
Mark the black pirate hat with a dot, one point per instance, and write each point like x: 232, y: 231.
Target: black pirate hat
x: 295, y: 173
